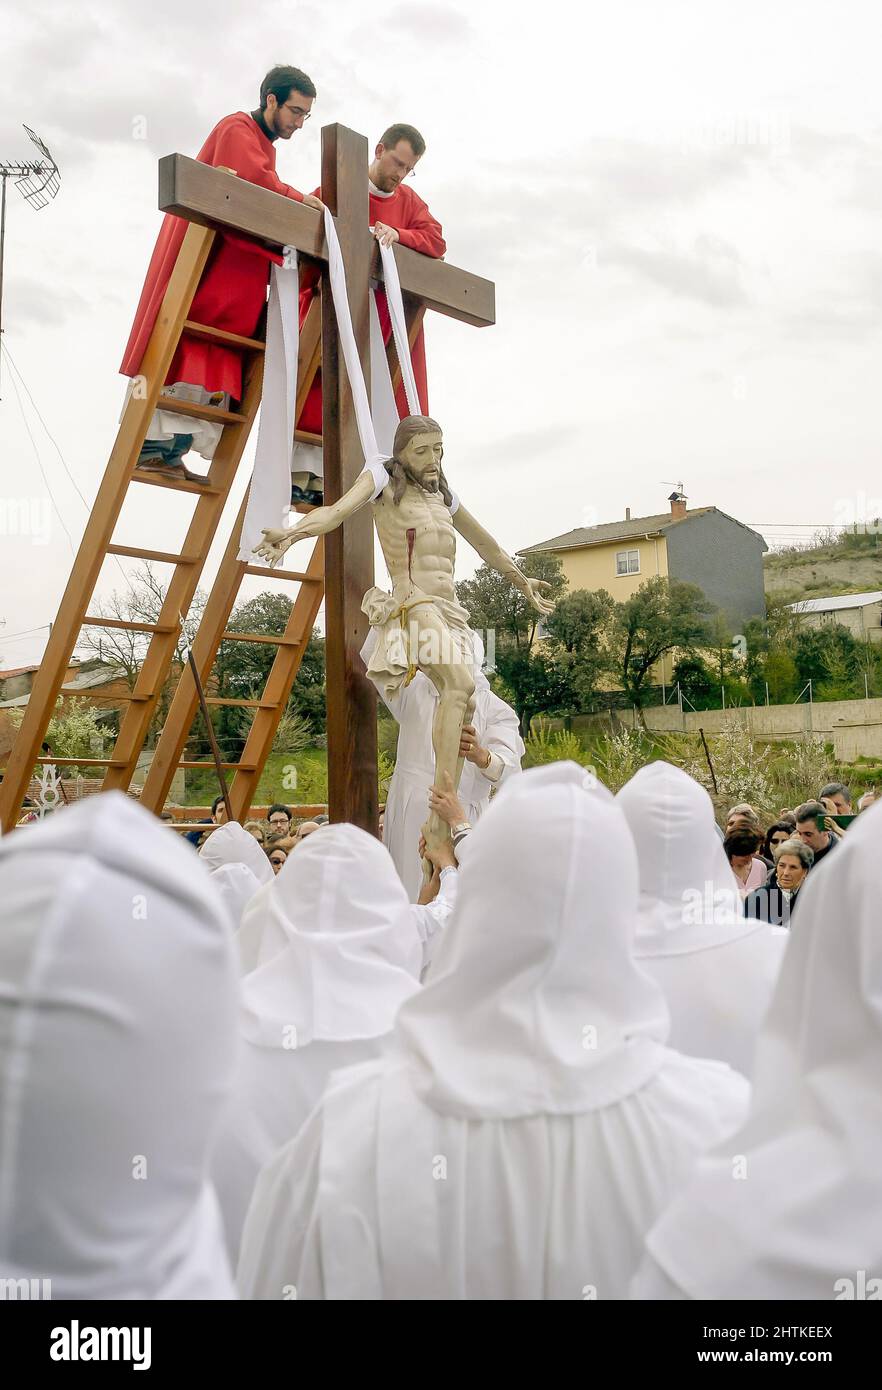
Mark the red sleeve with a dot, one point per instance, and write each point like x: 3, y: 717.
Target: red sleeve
x: 234, y: 148
x: 423, y: 232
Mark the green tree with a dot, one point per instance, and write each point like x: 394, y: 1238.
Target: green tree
x: 578, y: 633
x: 534, y: 682
x: 74, y: 731
x: 494, y: 604
x: 770, y: 643
x: 780, y: 673
x: 696, y: 680
x: 829, y: 657
x: 243, y: 667
x: 662, y: 616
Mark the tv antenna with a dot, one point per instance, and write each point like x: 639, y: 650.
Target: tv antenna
x: 37, y: 180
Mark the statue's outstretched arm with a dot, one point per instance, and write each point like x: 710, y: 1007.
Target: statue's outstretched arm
x: 492, y: 554
x: 318, y: 522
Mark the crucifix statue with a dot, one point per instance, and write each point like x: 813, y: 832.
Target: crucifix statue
x: 211, y: 196
x: 421, y: 624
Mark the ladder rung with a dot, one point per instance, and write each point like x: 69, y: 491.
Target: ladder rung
x: 212, y: 413
x: 127, y: 626
x: 133, y: 552
x: 227, y: 767
x: 264, y: 572
x: 141, y: 475
x: 220, y: 335
x: 82, y: 762
x: 305, y: 437
x: 241, y: 704
x: 280, y: 641
x: 204, y: 825
x: 113, y: 699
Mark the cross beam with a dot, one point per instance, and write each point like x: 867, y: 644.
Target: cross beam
x: 200, y: 193
x: 214, y: 198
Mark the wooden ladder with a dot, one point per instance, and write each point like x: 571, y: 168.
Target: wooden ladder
x: 97, y: 543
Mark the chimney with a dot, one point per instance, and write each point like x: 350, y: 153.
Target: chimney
x: 678, y: 503
x: 627, y: 513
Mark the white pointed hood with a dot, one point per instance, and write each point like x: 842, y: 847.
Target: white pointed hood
x: 688, y: 897
x: 236, y: 884
x: 807, y: 1213
x: 534, y: 1003
x: 329, y: 948
x: 117, y: 1052
x: 230, y: 844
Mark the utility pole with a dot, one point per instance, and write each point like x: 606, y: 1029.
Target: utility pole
x: 37, y: 180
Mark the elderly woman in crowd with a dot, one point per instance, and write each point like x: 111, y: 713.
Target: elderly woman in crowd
x: 775, y: 900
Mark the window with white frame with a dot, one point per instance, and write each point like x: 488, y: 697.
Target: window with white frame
x: 627, y: 562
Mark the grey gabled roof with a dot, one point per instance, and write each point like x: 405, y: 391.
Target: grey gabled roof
x: 627, y: 530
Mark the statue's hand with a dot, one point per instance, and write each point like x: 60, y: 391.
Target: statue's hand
x: 273, y: 546
x: 533, y: 596
x: 275, y: 543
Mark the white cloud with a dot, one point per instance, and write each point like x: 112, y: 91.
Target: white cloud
x: 593, y: 162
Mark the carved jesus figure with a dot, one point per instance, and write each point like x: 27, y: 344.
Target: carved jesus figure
x: 421, y: 624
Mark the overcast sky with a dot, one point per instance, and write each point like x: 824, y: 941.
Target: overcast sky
x: 679, y: 202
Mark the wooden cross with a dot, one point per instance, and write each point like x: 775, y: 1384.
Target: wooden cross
x: 201, y: 193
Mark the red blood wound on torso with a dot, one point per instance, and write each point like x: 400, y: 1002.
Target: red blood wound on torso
x: 411, y: 537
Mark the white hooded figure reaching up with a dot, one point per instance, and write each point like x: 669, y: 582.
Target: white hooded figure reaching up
x: 531, y: 1124
x: 494, y: 749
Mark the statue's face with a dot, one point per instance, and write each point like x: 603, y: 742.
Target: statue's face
x: 422, y: 459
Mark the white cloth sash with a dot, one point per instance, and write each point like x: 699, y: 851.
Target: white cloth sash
x: 269, y: 496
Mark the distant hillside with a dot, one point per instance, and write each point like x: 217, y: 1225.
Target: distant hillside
x: 846, y: 564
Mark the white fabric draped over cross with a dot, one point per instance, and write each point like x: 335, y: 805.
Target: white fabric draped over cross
x: 269, y: 495
x: 376, y: 421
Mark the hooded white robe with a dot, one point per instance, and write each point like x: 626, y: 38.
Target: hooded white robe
x: 237, y: 885
x: 407, y: 801
x: 230, y: 844
x: 532, y: 1124
x: 118, y: 998
x: 806, y: 1220
x: 716, y: 968
x: 329, y: 948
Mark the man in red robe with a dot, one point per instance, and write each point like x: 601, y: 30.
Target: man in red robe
x: 397, y: 213
x: 232, y: 291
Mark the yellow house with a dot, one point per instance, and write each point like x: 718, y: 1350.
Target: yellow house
x: 698, y: 545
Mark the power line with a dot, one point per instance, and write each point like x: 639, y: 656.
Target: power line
x: 51, y: 438
x: 37, y: 457
x: 24, y: 632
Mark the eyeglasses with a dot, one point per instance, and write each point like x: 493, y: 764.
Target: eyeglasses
x: 278, y: 820
x: 298, y: 111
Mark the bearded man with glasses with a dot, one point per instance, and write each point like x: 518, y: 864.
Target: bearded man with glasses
x: 397, y: 213
x: 232, y: 291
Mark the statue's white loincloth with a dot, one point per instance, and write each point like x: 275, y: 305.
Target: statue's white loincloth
x: 401, y: 650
